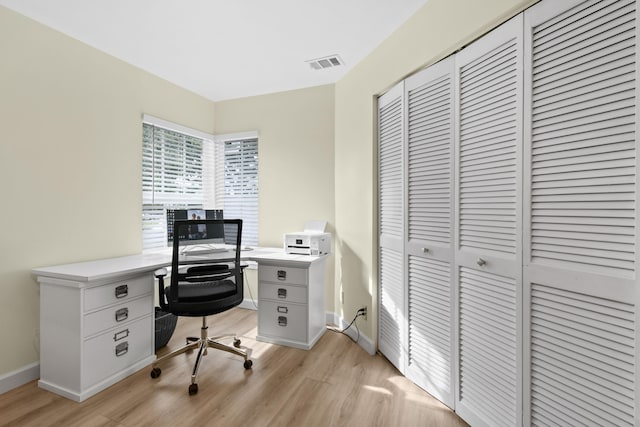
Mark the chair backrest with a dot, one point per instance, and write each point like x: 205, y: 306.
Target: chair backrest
x: 205, y: 280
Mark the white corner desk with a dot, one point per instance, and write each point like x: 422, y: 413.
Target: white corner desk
x: 97, y: 318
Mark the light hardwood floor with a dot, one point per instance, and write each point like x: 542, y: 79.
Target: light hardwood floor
x: 335, y: 384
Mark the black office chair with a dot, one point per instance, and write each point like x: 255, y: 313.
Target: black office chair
x: 203, y: 282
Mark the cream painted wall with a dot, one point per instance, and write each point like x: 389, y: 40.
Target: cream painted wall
x: 438, y: 29
x: 296, y: 152
x: 70, y: 155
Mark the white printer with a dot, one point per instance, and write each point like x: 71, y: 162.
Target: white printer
x: 312, y: 241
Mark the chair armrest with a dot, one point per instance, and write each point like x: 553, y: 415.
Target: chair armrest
x: 160, y: 274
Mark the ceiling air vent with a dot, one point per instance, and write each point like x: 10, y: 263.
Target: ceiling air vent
x: 326, y: 62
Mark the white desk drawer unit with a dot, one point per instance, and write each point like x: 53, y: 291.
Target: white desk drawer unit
x: 291, y: 302
x: 93, y: 334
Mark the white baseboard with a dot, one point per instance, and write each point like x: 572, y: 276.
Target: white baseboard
x: 363, y: 341
x: 21, y: 376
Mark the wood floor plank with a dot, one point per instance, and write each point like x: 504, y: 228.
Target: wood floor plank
x: 335, y: 384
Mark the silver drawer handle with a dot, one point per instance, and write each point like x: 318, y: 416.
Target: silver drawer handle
x: 481, y: 262
x: 282, y: 275
x: 122, y: 291
x: 282, y: 309
x: 122, y: 314
x: 122, y: 349
x: 282, y: 293
x: 282, y: 320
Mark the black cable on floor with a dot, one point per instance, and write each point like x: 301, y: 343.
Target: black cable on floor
x: 348, y: 326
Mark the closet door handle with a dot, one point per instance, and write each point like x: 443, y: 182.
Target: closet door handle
x: 425, y: 250
x: 481, y: 262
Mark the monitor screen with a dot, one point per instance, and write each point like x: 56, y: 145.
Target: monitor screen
x: 197, y: 234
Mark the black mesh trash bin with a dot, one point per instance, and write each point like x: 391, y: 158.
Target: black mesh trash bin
x: 165, y: 325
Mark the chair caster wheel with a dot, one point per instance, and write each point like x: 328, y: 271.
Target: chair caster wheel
x: 155, y: 372
x: 193, y: 389
x: 236, y: 343
x: 248, y: 364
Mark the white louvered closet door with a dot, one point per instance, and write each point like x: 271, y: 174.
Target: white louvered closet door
x: 488, y: 268
x: 391, y: 270
x: 429, y: 248
x: 580, y: 209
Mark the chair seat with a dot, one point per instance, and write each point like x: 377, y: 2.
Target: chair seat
x: 204, y: 291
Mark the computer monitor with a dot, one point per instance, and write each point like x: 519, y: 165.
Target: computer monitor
x: 210, y: 234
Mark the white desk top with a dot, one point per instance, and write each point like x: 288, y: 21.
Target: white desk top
x: 102, y: 269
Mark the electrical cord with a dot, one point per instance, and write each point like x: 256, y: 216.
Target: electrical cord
x: 360, y: 312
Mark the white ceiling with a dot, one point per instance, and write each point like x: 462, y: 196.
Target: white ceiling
x: 224, y: 49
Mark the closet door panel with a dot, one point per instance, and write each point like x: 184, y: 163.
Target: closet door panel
x: 580, y: 209
x: 488, y: 251
x: 429, y: 248
x: 391, y: 299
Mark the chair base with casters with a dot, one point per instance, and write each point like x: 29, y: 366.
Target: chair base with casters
x: 202, y: 344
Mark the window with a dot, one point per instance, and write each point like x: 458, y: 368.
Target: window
x: 184, y: 168
x: 241, y: 184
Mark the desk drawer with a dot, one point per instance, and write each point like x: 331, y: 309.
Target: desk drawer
x: 102, y: 296
x: 118, y: 314
x: 281, y: 292
x: 291, y: 275
x: 287, y: 321
x: 116, y: 350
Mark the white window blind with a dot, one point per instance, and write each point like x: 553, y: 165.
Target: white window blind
x: 184, y: 168
x: 241, y: 184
